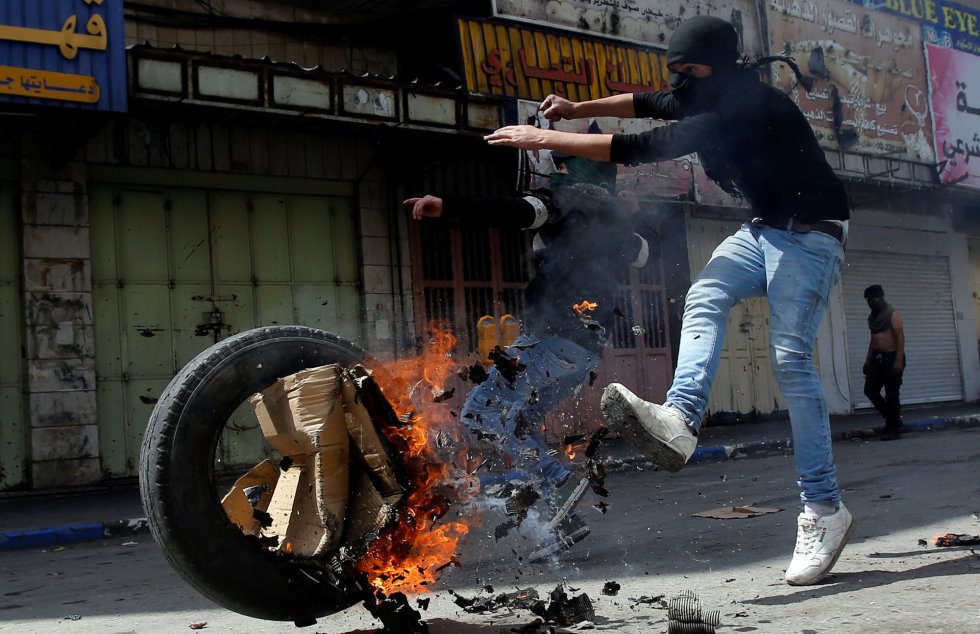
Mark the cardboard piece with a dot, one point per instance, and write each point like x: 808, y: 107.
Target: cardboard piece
x: 369, y: 448
x: 302, y: 416
x: 367, y: 511
x: 236, y: 503
x: 736, y: 512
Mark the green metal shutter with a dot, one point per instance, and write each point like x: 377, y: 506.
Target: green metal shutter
x: 13, y: 435
x: 175, y: 271
x: 919, y: 287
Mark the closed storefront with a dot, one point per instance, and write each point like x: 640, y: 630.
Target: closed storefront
x: 175, y: 270
x: 13, y: 436
x: 918, y: 286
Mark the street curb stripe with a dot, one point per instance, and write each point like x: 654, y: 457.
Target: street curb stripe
x: 35, y: 538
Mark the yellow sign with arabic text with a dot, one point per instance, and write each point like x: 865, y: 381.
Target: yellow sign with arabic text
x: 70, y: 53
x: 67, y: 40
x: 514, y: 61
x: 44, y: 84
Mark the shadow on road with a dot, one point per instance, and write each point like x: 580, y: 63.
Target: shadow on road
x: 844, y: 582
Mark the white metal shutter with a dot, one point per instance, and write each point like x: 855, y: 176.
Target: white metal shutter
x: 919, y: 287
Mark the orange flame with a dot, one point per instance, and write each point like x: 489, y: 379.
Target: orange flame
x: 409, y: 556
x: 585, y: 306
x: 572, y: 449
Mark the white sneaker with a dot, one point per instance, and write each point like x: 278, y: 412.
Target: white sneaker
x: 658, y: 430
x: 819, y: 542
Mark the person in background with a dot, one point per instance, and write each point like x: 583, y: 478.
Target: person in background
x: 583, y: 239
x: 885, y: 362
x: 755, y: 143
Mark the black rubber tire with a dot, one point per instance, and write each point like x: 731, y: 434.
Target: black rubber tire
x: 177, y: 480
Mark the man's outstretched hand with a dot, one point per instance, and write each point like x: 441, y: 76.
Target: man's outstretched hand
x: 424, y: 207
x: 522, y: 137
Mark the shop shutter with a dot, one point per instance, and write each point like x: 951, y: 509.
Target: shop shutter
x: 13, y: 435
x: 175, y: 270
x: 919, y: 287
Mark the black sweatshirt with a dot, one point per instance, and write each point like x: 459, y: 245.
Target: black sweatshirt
x: 588, y: 241
x: 753, y: 136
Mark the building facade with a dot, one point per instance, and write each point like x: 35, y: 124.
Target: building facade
x: 245, y: 164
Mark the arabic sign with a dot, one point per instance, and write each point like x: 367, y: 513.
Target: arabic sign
x: 943, y: 23
x: 680, y: 178
x: 954, y: 90
x: 512, y: 61
x: 648, y: 22
x: 69, y: 52
x: 870, y: 89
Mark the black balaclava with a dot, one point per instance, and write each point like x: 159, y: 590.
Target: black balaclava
x: 702, y: 39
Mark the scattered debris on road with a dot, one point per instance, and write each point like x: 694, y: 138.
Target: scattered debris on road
x: 611, y: 588
x: 950, y: 540
x: 737, y: 512
x: 562, y: 610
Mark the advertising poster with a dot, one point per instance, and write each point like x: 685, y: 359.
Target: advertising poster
x: 868, y: 67
x: 944, y: 23
x: 954, y: 89
x: 648, y: 22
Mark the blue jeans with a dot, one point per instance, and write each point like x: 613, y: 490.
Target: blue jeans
x: 796, y: 272
x: 509, y: 415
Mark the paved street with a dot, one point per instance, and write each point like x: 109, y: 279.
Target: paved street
x: 649, y: 542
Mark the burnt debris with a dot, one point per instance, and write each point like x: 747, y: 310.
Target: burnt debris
x: 475, y: 373
x: 564, y: 610
x: 508, y: 366
x: 951, y: 540
x: 395, y: 613
x: 611, y: 588
x: 561, y: 610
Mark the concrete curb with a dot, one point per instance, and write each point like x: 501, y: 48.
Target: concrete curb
x: 71, y: 533
x: 763, y: 448
x: 90, y: 531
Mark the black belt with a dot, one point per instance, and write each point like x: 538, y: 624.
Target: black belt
x: 790, y: 223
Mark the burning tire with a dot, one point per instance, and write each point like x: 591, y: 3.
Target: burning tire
x: 177, y: 475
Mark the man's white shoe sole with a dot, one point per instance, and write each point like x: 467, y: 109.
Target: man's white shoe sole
x: 617, y: 409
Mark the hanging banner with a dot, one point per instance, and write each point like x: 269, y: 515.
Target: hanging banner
x: 954, y: 90
x: 63, y: 52
x: 647, y: 22
x: 514, y: 61
x: 870, y: 91
x: 943, y: 23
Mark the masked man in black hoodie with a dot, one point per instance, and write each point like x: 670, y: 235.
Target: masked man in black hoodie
x: 583, y: 240
x: 755, y: 143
